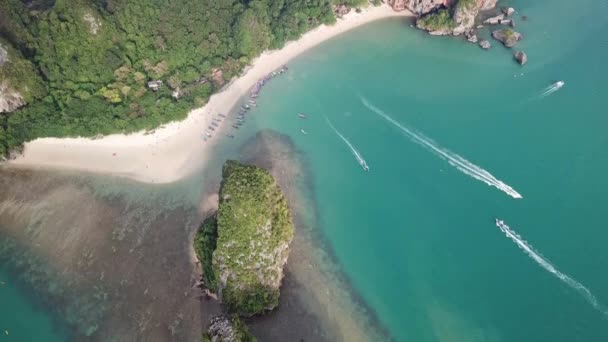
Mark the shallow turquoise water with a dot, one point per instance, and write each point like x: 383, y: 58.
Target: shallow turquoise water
x: 20, y: 319
x: 415, y: 235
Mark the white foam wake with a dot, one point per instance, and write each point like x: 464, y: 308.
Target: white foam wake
x: 454, y: 159
x: 550, y: 90
x: 355, y: 152
x: 544, y: 263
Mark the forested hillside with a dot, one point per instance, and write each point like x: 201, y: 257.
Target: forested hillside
x: 82, y: 67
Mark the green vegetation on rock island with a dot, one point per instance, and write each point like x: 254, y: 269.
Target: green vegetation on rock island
x: 82, y: 67
x: 244, y: 246
x: 437, y: 21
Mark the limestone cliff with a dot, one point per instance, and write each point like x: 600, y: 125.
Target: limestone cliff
x: 418, y: 7
x: 19, y: 83
x: 253, y: 230
x: 454, y: 17
x: 10, y: 99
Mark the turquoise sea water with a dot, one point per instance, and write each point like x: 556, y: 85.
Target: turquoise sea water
x: 20, y: 319
x: 415, y: 235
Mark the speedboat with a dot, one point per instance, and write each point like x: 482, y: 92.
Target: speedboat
x: 559, y: 84
x: 302, y: 116
x: 499, y: 223
x: 366, y: 168
x: 303, y: 131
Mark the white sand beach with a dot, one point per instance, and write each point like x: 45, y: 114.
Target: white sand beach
x: 176, y: 150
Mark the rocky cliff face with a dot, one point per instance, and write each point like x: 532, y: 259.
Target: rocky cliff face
x: 465, y: 13
x: 10, y: 99
x: 3, y: 55
x: 254, y: 230
x: 485, y: 5
x: 457, y: 18
x: 19, y: 83
x: 418, y: 7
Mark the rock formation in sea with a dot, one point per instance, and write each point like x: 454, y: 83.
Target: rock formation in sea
x: 453, y: 17
x: 520, y: 57
x: 253, y: 232
x: 227, y: 329
x: 507, y: 36
x: 417, y: 7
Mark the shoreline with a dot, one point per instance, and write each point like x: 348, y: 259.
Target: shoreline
x: 176, y: 150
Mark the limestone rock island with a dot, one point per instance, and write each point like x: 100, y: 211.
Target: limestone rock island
x: 244, y: 247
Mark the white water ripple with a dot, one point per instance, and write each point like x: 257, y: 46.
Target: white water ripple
x: 550, y: 90
x: 544, y: 263
x: 355, y: 152
x: 454, y: 159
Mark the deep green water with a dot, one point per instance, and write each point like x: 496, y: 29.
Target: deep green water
x: 415, y: 236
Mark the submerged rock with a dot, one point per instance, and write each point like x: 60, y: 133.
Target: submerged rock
x: 507, y: 36
x: 520, y: 57
x: 484, y: 44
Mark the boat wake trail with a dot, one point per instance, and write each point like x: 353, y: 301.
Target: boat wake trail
x: 551, y: 89
x: 355, y: 152
x: 454, y: 159
x: 544, y: 263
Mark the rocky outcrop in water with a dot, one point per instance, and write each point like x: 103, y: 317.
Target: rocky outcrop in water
x: 250, y: 236
x: 507, y: 36
x: 227, y: 329
x: 453, y: 17
x: 520, y: 57
x: 417, y: 7
x: 508, y: 11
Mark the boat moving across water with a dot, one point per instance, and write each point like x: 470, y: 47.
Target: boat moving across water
x: 302, y: 116
x: 552, y: 88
